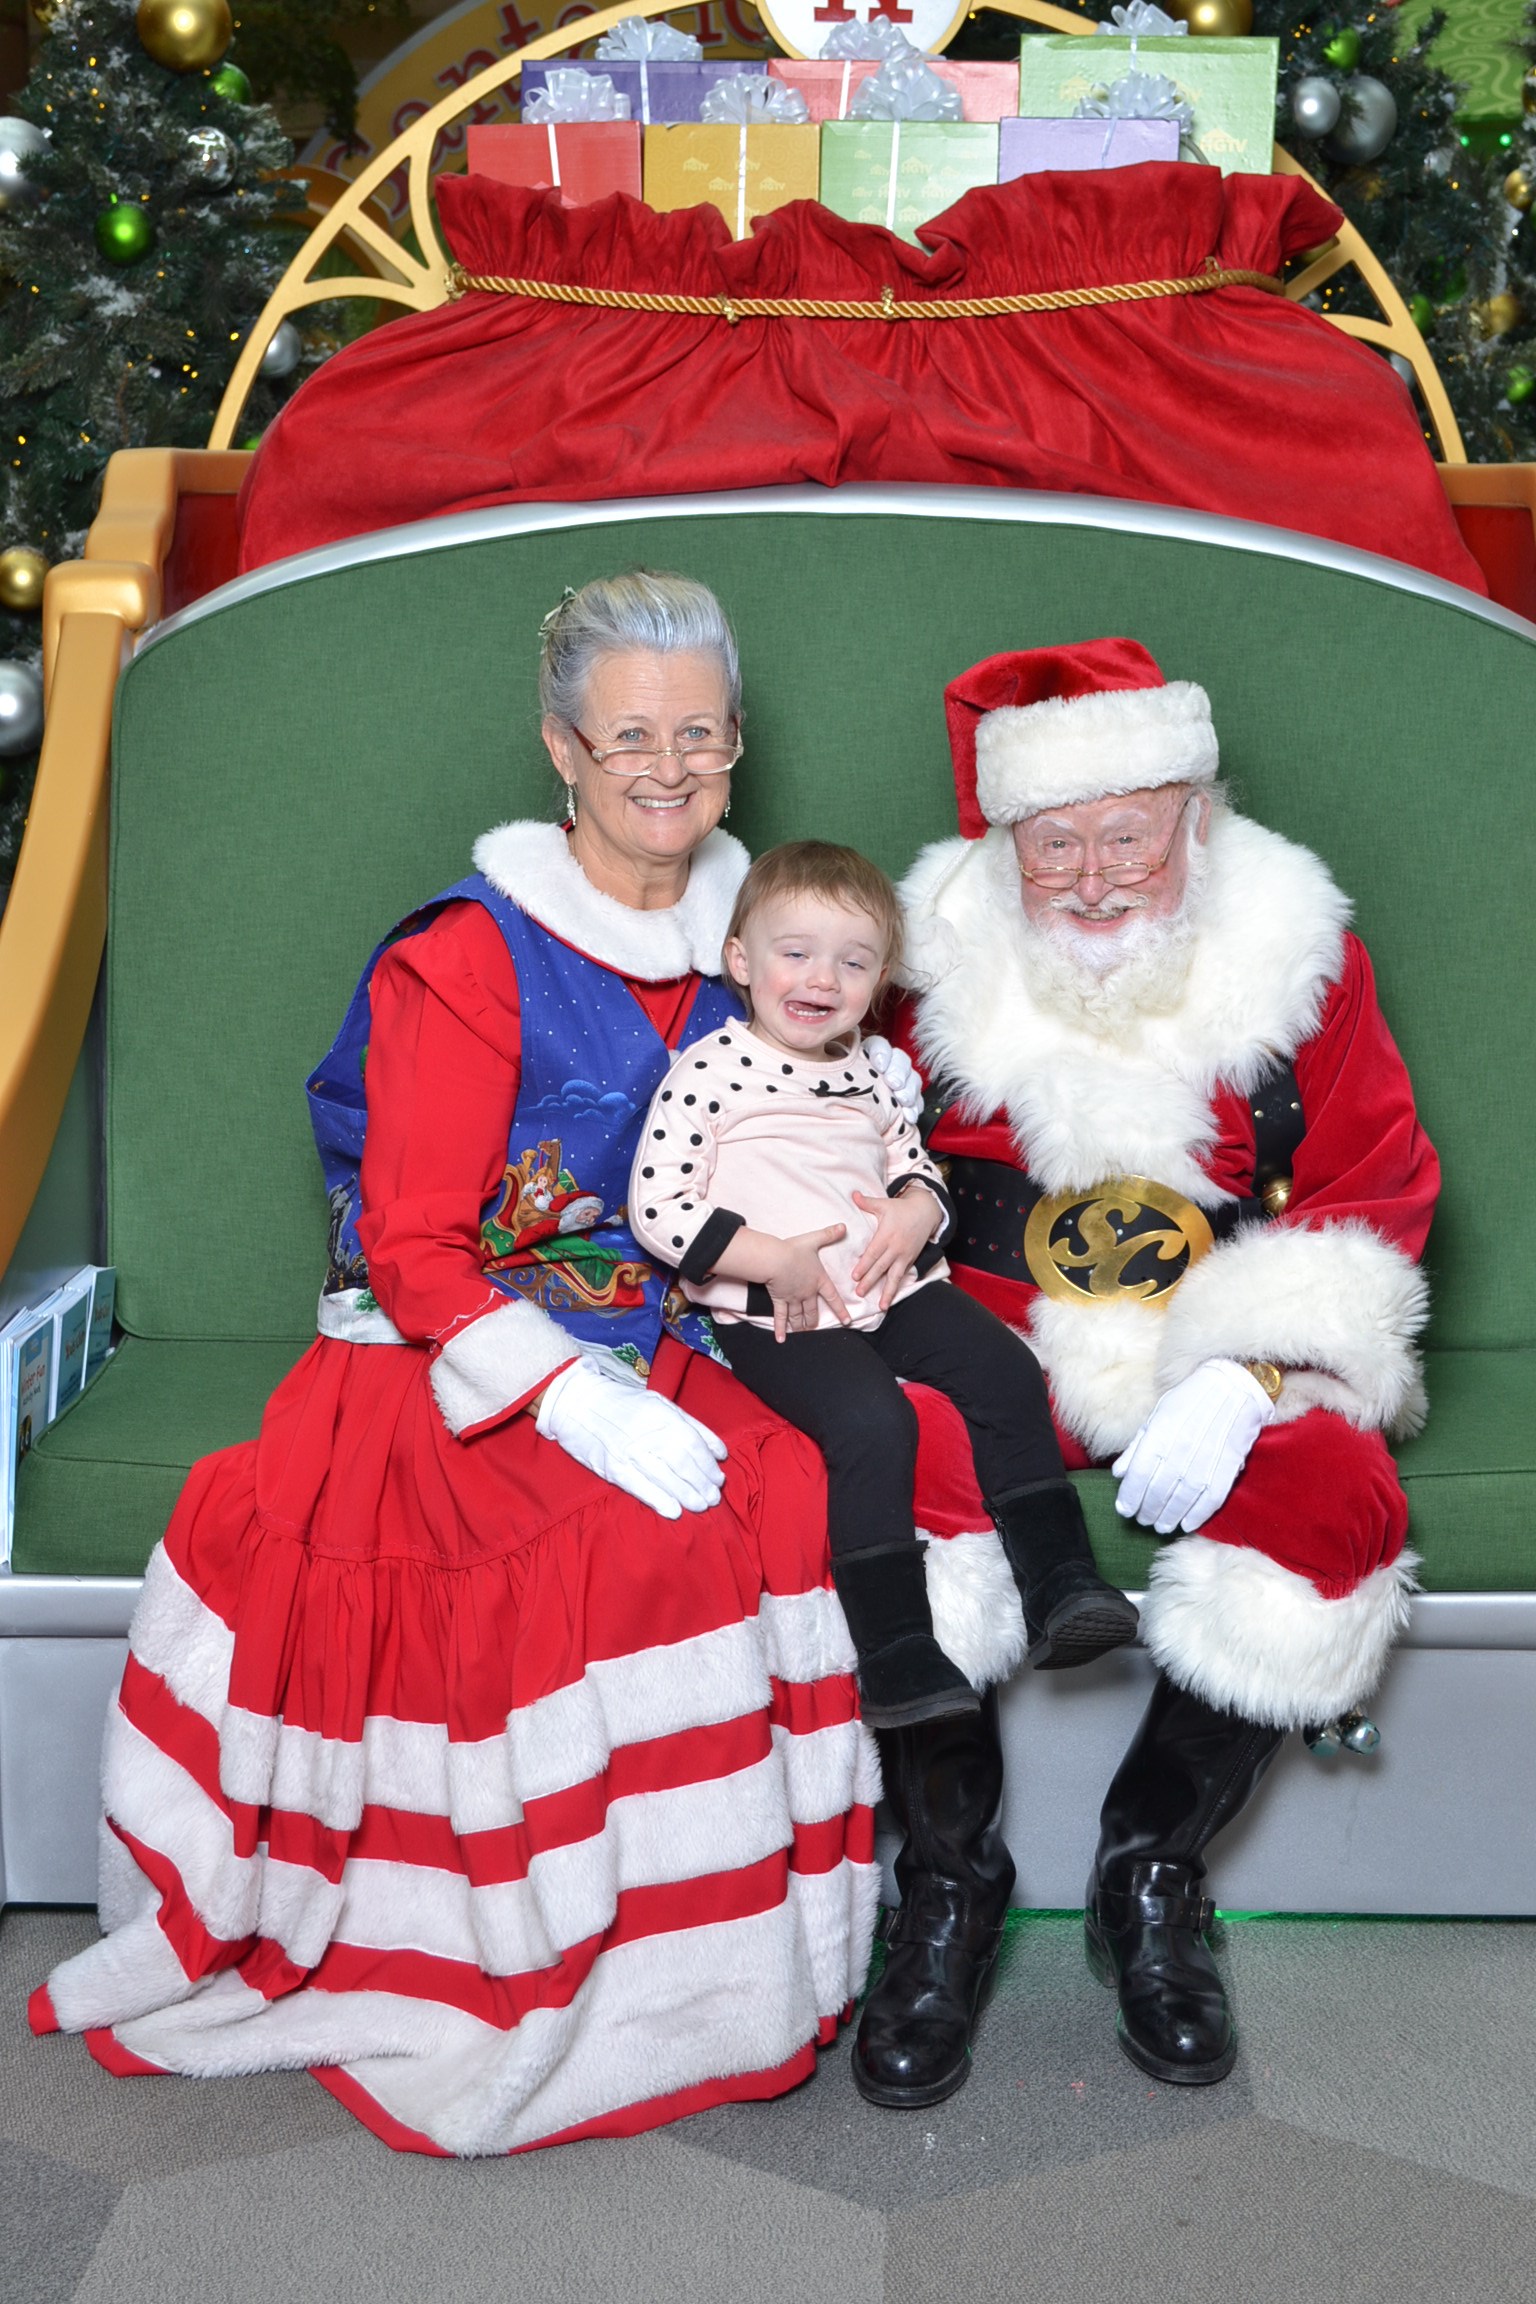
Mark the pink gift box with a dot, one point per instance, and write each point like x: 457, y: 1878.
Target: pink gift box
x: 586, y: 159
x: 1030, y: 147
x: 987, y: 91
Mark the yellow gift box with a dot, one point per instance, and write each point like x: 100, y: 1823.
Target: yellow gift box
x: 746, y: 172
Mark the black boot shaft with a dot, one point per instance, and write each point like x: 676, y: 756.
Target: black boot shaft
x: 1070, y: 1613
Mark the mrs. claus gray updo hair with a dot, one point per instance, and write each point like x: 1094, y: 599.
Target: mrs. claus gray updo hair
x: 647, y: 608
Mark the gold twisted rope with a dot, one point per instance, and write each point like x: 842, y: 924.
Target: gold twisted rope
x: 735, y: 308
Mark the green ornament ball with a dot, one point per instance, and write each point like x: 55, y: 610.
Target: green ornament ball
x: 1343, y: 50
x: 231, y: 83
x: 124, y: 232
x: 1422, y: 313
x: 1519, y: 385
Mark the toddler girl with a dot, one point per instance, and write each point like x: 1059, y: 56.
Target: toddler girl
x: 778, y: 1175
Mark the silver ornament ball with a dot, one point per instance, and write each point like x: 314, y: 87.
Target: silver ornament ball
x: 284, y: 353
x: 211, y: 157
x: 21, y: 710
x: 1323, y: 1741
x: 19, y: 141
x: 1315, y: 106
x: 1366, y: 136
x: 1360, y: 1735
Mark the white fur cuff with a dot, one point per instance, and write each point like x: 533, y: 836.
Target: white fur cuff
x: 496, y: 1364
x: 1234, y: 1627
x: 977, y: 1615
x: 1336, y: 1306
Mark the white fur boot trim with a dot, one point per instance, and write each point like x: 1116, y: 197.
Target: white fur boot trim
x: 1234, y: 1627
x: 977, y: 1613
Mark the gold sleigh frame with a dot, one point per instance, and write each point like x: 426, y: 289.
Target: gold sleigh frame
x: 420, y: 283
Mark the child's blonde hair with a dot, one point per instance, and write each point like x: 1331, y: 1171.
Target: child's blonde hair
x: 838, y: 876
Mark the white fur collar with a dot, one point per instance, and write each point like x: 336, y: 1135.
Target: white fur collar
x: 532, y: 863
x: 1085, y: 1105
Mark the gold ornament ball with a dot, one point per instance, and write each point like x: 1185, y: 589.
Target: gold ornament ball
x: 1518, y: 189
x: 1528, y: 90
x: 185, y: 35
x: 1498, y: 315
x: 1215, y: 19
x: 21, y: 580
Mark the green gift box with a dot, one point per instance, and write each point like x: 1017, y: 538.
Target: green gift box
x: 1229, y: 83
x: 901, y: 172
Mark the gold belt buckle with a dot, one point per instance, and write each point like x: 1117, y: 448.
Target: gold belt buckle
x: 1128, y: 1241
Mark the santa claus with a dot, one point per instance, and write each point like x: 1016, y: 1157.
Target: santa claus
x: 1186, y: 1164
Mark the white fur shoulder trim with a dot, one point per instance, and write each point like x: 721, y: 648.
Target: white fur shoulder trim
x: 1083, y: 1104
x: 532, y: 863
x: 1234, y: 1627
x: 1335, y: 1305
x: 496, y: 1362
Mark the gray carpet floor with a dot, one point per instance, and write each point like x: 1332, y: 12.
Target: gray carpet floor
x: 1375, y: 2145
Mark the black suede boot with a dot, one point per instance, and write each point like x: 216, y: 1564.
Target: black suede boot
x: 1070, y: 1613
x: 1188, y: 1772
x: 904, y: 1675
x: 944, y: 1781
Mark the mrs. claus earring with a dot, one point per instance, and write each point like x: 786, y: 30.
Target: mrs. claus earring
x: 570, y: 804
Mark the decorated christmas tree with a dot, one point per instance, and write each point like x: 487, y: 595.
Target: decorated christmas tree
x: 138, y: 198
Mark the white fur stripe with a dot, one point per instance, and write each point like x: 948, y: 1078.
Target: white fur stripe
x: 152, y: 1797
x: 977, y: 1614
x: 821, y: 1770
x: 176, y: 1634
x: 657, y: 2015
x: 837, y: 1916
x: 1237, y: 1629
x: 805, y: 1635
x: 127, y: 1974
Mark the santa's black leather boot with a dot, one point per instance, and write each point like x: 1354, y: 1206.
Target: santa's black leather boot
x: 1070, y: 1613
x: 944, y: 1781
x: 1189, y: 1770
x: 904, y: 1675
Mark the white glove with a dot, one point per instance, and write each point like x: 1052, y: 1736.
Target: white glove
x: 900, y: 1074
x: 599, y: 1411
x: 1180, y: 1467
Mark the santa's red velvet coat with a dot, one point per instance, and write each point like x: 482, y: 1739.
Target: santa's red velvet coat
x: 1285, y: 1605
x: 440, y: 1765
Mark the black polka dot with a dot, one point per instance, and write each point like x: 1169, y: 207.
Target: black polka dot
x: 687, y: 1207
x: 912, y: 1155
x: 647, y: 1171
x: 666, y: 1095
x: 687, y: 1167
x: 748, y: 1062
x: 714, y: 1107
x: 735, y: 1087
x: 847, y: 1075
x: 788, y: 1069
x: 650, y: 1213
x: 725, y: 1039
x: 658, y: 1133
x: 699, y: 1066
x: 677, y: 1239
x: 690, y: 1099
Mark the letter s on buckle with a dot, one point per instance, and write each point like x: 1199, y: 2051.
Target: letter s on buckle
x: 1128, y: 1241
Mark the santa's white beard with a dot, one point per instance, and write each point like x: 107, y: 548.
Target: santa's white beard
x: 1113, y: 980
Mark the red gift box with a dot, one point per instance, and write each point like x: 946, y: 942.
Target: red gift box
x: 584, y: 159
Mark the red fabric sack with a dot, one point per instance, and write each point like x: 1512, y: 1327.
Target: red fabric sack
x: 1235, y: 402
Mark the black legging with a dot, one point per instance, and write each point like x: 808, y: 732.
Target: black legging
x: 838, y: 1386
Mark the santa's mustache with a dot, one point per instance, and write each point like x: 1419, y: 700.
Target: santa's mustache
x: 1111, y: 906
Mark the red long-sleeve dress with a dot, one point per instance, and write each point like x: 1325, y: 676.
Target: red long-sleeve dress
x: 442, y: 1766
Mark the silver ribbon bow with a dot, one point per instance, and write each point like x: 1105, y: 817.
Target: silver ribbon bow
x: 640, y: 40
x: 868, y: 43
x: 1139, y: 96
x: 749, y: 101
x: 1141, y: 21
x: 905, y: 88
x: 569, y: 94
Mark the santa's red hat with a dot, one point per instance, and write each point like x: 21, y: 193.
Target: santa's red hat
x: 1044, y: 727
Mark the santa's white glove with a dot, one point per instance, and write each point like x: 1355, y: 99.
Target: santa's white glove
x: 1180, y: 1467
x: 599, y: 1411
x: 900, y: 1074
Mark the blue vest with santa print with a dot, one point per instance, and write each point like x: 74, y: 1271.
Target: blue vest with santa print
x: 555, y: 1232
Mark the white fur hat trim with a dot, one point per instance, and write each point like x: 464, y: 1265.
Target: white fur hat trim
x: 1051, y: 755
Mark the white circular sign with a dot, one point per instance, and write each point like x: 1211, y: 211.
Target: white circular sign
x: 801, y: 26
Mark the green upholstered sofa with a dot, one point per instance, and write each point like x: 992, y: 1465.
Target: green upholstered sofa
x: 303, y: 755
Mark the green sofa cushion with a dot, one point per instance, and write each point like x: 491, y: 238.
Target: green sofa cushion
x: 96, y: 1492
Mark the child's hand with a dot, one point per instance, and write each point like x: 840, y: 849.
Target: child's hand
x: 797, y: 1280
x: 907, y: 1224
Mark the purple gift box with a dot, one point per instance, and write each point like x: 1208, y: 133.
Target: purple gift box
x: 672, y: 92
x: 1028, y: 147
